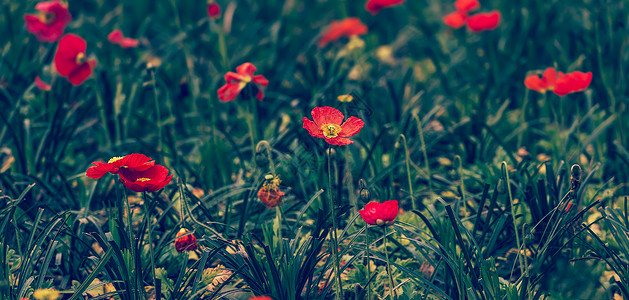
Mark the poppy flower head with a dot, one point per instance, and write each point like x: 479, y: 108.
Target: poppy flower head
x: 149, y: 180
x: 116, y: 37
x: 328, y: 124
x: 135, y: 161
x: 374, y: 6
x: 261, y: 298
x: 484, y: 21
x: 345, y: 28
x: 213, y: 9
x: 270, y: 193
x: 70, y: 59
x: 455, y: 20
x: 541, y: 85
x: 236, y: 82
x: 185, y: 241
x: 48, y: 25
x: 465, y: 6
x: 572, y: 82
x: 41, y: 84
x: 380, y: 214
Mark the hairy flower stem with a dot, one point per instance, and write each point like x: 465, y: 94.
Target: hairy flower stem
x: 147, y: 215
x: 368, y: 263
x: 386, y: 254
x: 335, y: 242
x: 523, y: 268
x: 408, y: 171
x: 420, y: 129
x: 134, y: 285
x: 251, y: 120
x: 157, y: 111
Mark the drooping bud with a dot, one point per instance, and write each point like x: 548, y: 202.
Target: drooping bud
x: 575, y: 177
x: 364, y: 193
x: 185, y: 241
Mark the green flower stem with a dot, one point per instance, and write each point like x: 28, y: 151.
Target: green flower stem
x: 147, y: 215
x: 251, y: 120
x: 386, y: 254
x: 424, y: 151
x: 408, y: 170
x: 368, y: 263
x: 523, y: 269
x: 267, y: 146
x: 157, y: 110
x: 339, y: 288
x: 134, y: 285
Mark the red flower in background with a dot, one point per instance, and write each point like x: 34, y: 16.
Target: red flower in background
x: 345, y: 28
x: 327, y: 125
x: 116, y: 37
x: 374, y: 6
x: 558, y: 82
x: 572, y: 83
x: 134, y: 162
x: 49, y: 24
x: 237, y: 81
x: 484, y: 21
x: 213, y: 9
x: 465, y: 6
x: 272, y: 197
x: 42, y: 85
x: 185, y: 241
x: 150, y: 180
x: 70, y: 59
x: 455, y: 20
x: 546, y: 83
x: 261, y: 298
x: 380, y: 214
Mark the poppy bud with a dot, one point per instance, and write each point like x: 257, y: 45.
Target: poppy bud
x: 270, y: 193
x: 364, y: 194
x: 185, y: 242
x: 575, y: 177
x: 501, y: 188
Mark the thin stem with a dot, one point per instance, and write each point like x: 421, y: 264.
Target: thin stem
x: 386, y: 254
x: 368, y: 263
x: 408, y: 171
x: 523, y: 270
x: 460, y: 172
x: 339, y: 288
x: 424, y: 151
x: 157, y: 111
x: 134, y: 286
x: 250, y: 123
x: 267, y: 146
x: 147, y: 215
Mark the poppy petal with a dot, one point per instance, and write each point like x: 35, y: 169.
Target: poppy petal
x: 338, y: 141
x: 351, y: 127
x: 327, y: 115
x: 246, y: 69
x: 455, y: 20
x: 484, y: 21
x: 261, y: 80
x: 80, y: 73
x: 312, y: 128
x: 69, y: 47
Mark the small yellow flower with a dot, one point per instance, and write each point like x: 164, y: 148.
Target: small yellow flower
x: 345, y: 98
x: 46, y: 294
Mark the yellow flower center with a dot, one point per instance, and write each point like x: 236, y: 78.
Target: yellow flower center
x: 113, y: 159
x: 143, y: 179
x: 244, y: 82
x: 80, y: 58
x: 380, y: 222
x: 331, y: 130
x: 47, y: 17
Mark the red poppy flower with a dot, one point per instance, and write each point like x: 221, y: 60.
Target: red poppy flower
x: 185, y: 241
x: 134, y: 162
x: 327, y: 125
x: 261, y: 298
x: 150, y: 180
x: 380, y: 214
x: 116, y: 37
x: 345, y: 28
x: 272, y: 197
x: 42, y: 85
x: 70, y: 59
x: 465, y: 6
x: 572, y: 83
x: 455, y: 20
x: 484, y: 21
x: 213, y: 10
x: 49, y: 24
x: 546, y: 83
x: 374, y: 6
x: 237, y: 81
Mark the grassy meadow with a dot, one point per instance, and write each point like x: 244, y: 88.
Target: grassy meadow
x: 504, y: 190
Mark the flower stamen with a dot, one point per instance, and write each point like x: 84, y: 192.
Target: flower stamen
x: 114, y: 159
x: 331, y: 130
x: 80, y: 58
x: 143, y: 179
